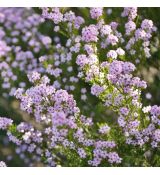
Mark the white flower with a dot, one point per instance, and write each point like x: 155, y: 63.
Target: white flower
x: 26, y: 136
x: 146, y: 109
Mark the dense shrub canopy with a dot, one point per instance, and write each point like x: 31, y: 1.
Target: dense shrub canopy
x: 74, y: 88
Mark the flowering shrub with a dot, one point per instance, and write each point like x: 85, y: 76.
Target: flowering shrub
x: 66, y: 85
